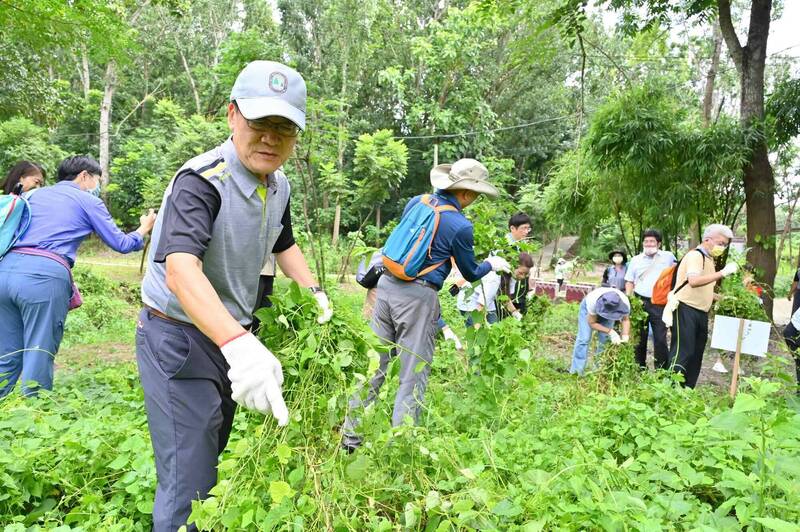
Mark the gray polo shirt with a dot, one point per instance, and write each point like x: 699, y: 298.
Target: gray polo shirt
x: 238, y: 244
x: 643, y: 270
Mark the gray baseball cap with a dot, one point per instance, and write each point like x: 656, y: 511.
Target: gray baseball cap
x: 267, y: 88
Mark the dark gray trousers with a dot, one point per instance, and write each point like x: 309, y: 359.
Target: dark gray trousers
x: 689, y: 336
x: 405, y: 314
x: 660, y: 349
x: 187, y: 395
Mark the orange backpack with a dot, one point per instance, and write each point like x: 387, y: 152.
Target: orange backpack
x: 666, y: 282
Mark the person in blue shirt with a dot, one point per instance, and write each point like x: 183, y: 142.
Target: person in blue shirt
x: 406, y: 312
x: 35, y: 276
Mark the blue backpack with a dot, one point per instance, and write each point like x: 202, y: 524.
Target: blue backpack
x: 409, y: 245
x: 15, y: 217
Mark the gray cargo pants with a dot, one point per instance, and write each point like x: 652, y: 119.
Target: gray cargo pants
x: 405, y: 314
x: 187, y: 395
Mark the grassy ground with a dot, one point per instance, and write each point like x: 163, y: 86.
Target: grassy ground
x: 516, y: 445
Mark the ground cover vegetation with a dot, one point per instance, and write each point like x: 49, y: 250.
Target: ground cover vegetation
x: 593, y: 129
x: 507, y: 442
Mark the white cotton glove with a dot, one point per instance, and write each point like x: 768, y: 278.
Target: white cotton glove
x: 517, y: 315
x: 666, y: 316
x: 614, y: 337
x: 499, y: 264
x: 450, y: 335
x: 530, y: 295
x: 729, y: 269
x: 256, y: 376
x: 672, y: 302
x: 325, y: 307
x: 625, y: 338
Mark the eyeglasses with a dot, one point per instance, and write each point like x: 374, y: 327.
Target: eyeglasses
x: 284, y: 128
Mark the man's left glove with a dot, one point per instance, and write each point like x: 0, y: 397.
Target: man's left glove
x: 256, y: 376
x: 324, y: 305
x: 517, y: 315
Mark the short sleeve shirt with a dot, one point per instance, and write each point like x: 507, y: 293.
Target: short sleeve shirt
x: 643, y: 271
x: 189, y: 215
x: 696, y: 263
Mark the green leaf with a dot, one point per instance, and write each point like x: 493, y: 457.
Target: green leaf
x: 506, y: 508
x: 357, y: 469
x: 279, y: 490
x: 283, y: 452
x: 746, y: 402
x: 729, y: 421
x: 779, y: 525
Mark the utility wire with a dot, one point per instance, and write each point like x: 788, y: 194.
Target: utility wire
x: 478, y: 132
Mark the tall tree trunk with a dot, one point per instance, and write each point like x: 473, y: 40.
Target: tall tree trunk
x: 759, y: 183
x: 378, y: 221
x: 337, y: 217
x: 342, y: 142
x: 711, y: 77
x: 708, y: 110
x: 105, y: 119
x: 192, y: 83
x: 787, y: 228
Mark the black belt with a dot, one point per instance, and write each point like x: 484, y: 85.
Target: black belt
x: 428, y: 284
x: 422, y: 282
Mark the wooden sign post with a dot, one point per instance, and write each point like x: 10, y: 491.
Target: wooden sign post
x: 735, y: 377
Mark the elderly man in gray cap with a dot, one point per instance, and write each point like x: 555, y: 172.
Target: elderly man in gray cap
x: 406, y: 312
x: 222, y: 217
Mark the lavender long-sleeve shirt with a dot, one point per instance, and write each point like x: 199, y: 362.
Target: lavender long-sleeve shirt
x: 63, y: 215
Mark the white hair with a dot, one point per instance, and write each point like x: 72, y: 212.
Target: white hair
x: 717, y: 229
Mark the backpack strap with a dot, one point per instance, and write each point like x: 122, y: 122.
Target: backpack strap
x: 437, y: 210
x: 684, y: 283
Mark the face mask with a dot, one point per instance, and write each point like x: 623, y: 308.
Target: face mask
x: 617, y: 260
x: 650, y: 251
x: 95, y: 191
x: 718, y: 250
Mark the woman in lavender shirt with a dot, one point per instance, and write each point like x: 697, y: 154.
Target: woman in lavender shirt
x: 35, y: 276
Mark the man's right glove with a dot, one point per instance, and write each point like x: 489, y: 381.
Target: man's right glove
x: 614, y: 337
x: 729, y: 269
x: 256, y: 376
x: 517, y: 315
x: 499, y: 264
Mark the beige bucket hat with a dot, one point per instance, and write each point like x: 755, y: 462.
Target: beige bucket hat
x: 464, y: 174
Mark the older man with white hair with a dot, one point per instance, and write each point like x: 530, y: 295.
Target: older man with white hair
x: 694, y: 295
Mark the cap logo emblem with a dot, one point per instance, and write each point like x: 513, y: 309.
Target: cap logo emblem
x: 278, y: 82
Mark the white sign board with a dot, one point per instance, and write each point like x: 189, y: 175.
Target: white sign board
x: 755, y: 338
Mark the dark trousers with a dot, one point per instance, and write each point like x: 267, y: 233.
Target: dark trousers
x: 689, y: 335
x: 187, y: 395
x: 792, y: 337
x: 795, y: 301
x: 660, y: 349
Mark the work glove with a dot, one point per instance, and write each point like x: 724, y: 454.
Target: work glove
x: 517, y: 315
x: 499, y: 264
x: 450, y: 335
x: 325, y: 307
x: 614, y: 337
x: 625, y: 338
x: 729, y: 269
x: 530, y: 295
x: 256, y: 376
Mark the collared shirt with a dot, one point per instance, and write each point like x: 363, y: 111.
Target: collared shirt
x: 643, y: 270
x: 234, y: 229
x: 63, y: 215
x: 454, y: 238
x: 693, y: 264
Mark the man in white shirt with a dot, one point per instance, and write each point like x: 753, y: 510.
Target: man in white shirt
x: 642, y: 274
